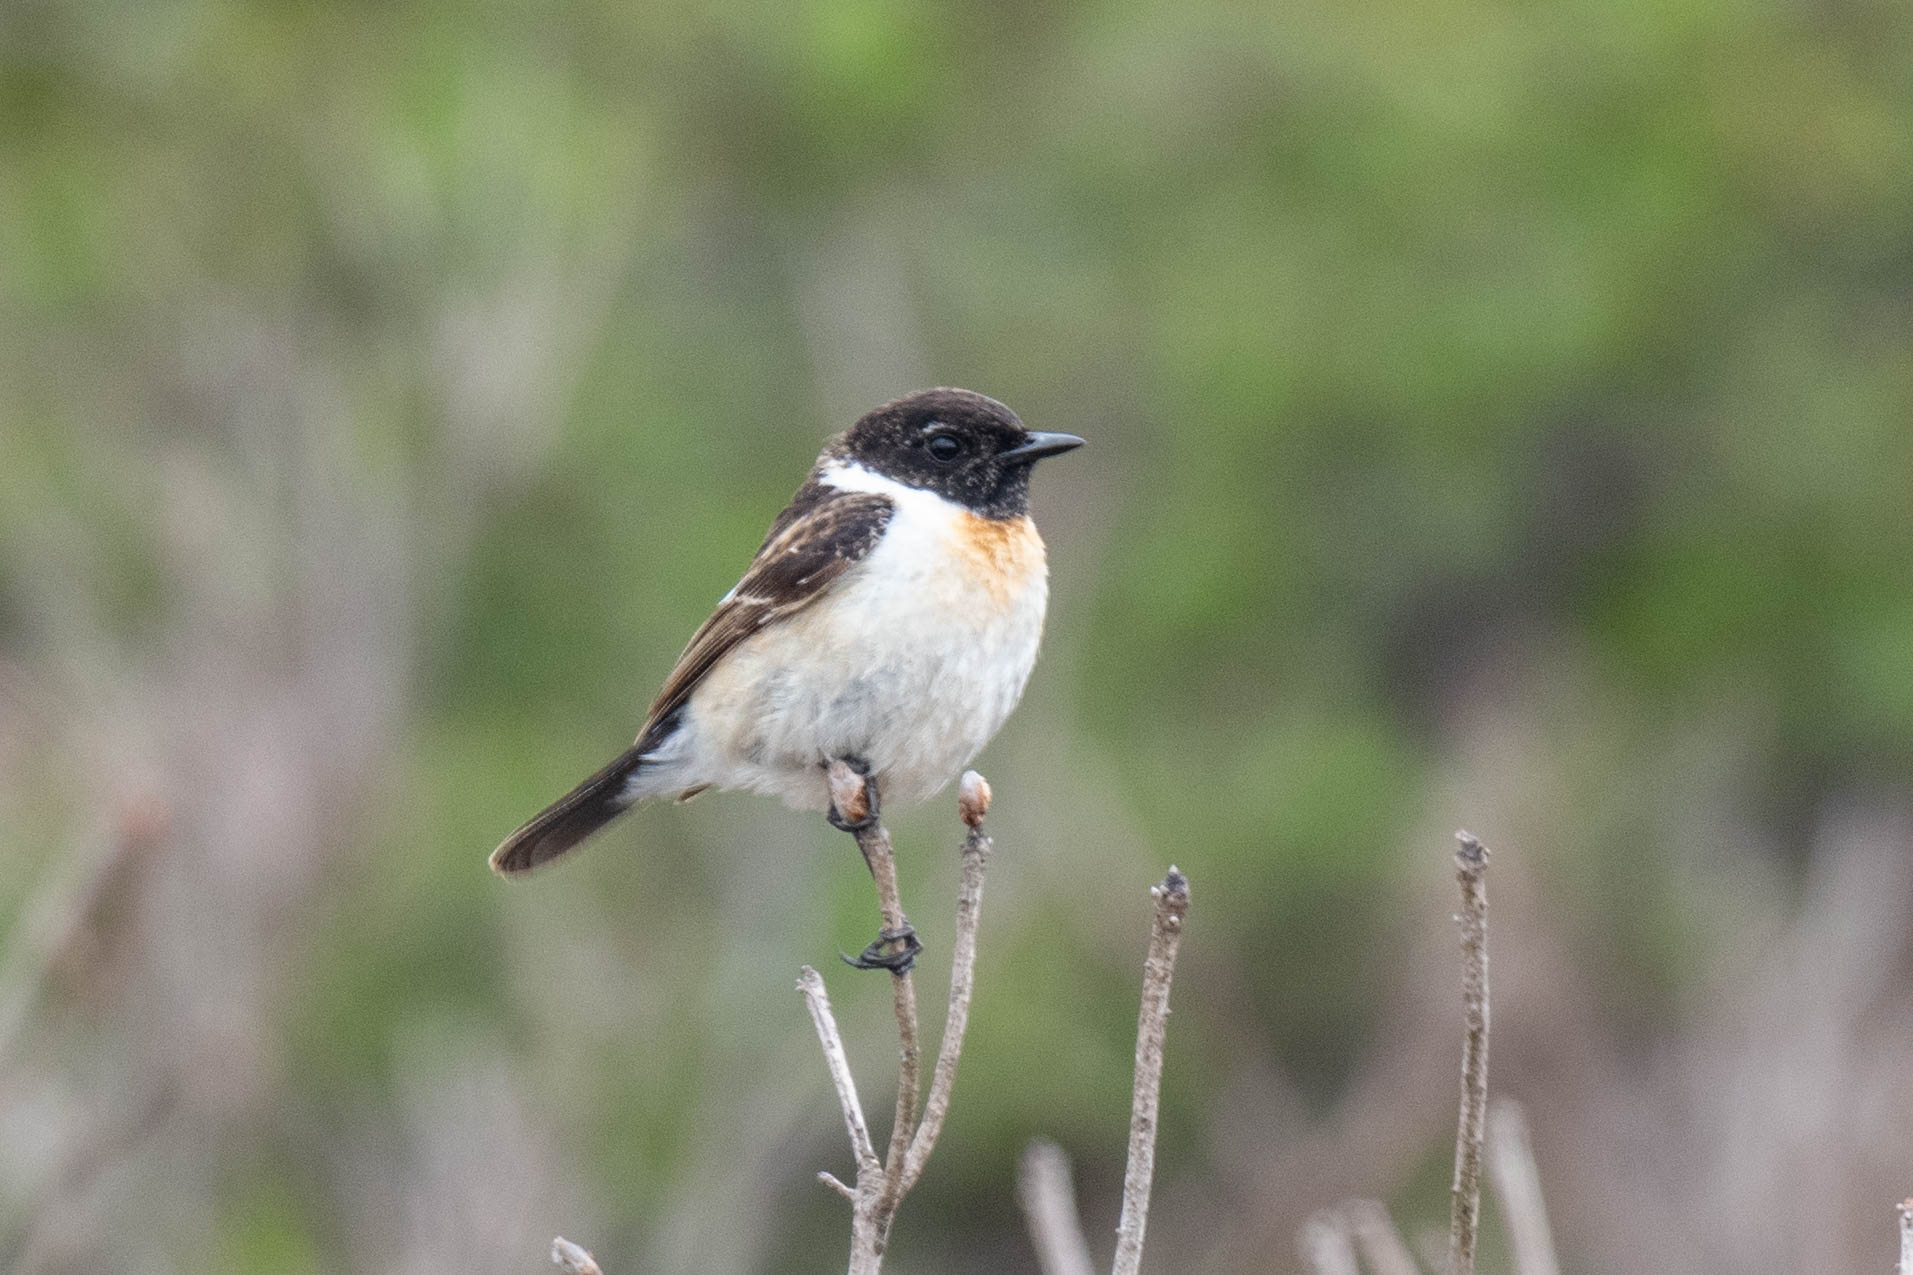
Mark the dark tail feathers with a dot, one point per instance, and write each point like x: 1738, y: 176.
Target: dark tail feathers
x: 571, y: 819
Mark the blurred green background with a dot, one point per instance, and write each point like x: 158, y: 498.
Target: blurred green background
x: 1499, y: 416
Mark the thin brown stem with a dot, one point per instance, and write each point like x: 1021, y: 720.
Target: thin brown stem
x: 874, y: 840
x: 882, y: 1184
x: 904, y: 1126
x: 1159, y: 970
x: 1471, y: 870
x: 973, y: 802
x: 855, y: 797
x: 1049, y: 1205
x: 1518, y: 1188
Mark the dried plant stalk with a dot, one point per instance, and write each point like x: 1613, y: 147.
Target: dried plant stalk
x: 811, y: 984
x: 874, y: 841
x: 973, y: 803
x: 1159, y: 970
x: 882, y: 1184
x: 1471, y: 870
x: 571, y: 1259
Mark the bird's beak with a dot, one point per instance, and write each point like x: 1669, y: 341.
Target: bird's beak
x: 1039, y: 445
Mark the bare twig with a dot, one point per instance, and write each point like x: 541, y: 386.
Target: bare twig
x: 1380, y: 1244
x: 903, y: 992
x: 817, y: 1000
x: 973, y: 803
x: 1159, y: 969
x: 903, y: 1124
x: 571, y: 1259
x: 1906, y: 1237
x: 855, y: 799
x: 882, y: 1184
x: 1518, y: 1188
x: 1323, y: 1243
x: 1049, y: 1205
x: 1471, y: 869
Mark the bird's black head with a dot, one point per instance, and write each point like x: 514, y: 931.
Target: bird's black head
x: 958, y: 444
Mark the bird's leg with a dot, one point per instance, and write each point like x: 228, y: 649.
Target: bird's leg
x: 854, y: 803
x: 854, y: 806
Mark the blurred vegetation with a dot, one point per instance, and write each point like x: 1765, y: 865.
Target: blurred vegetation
x: 1443, y: 362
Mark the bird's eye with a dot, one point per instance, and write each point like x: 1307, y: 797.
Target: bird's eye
x: 944, y: 448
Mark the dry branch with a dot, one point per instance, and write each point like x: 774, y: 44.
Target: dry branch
x: 1152, y: 1024
x: 1471, y: 870
x: 854, y: 797
x: 571, y: 1259
x: 1044, y: 1182
x: 1049, y: 1204
x: 811, y: 984
x: 1324, y: 1241
x: 882, y: 1184
x: 1518, y: 1188
x: 973, y: 803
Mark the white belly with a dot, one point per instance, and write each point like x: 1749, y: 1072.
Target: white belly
x: 911, y: 662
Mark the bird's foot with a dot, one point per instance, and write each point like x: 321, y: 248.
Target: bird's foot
x: 893, y: 950
x: 853, y: 795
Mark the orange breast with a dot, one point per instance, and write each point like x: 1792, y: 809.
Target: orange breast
x: 1004, y: 555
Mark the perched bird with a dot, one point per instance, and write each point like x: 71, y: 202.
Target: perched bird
x: 890, y: 619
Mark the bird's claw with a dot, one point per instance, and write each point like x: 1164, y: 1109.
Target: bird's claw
x: 842, y: 824
x: 893, y: 950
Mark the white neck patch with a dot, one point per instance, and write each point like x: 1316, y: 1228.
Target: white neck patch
x: 850, y: 475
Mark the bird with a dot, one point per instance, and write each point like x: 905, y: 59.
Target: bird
x: 890, y: 620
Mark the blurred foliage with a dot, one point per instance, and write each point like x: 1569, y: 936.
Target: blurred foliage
x: 1423, y: 346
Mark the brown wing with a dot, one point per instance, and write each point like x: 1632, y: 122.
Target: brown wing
x: 813, y: 542
x: 821, y: 535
